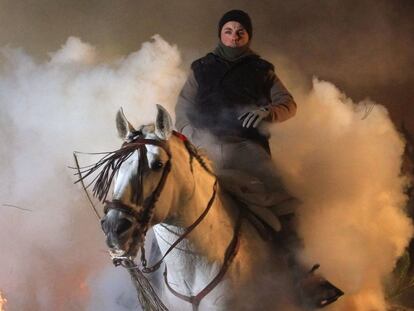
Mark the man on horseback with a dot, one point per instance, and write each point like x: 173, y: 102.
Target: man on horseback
x: 230, y: 93
x: 227, y: 100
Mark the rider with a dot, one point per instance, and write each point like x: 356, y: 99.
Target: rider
x: 229, y: 96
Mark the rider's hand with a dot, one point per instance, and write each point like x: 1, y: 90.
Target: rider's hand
x: 253, y: 118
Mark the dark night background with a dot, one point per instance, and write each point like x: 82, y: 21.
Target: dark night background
x: 366, y: 47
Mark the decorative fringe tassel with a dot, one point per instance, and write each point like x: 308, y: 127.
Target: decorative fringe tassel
x: 147, y: 296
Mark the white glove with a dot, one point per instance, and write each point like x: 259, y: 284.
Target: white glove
x: 253, y: 118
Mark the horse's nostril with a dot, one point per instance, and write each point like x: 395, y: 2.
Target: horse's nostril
x: 110, y: 243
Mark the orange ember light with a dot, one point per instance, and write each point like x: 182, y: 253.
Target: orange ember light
x: 3, y: 302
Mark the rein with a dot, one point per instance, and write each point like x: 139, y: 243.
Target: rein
x: 187, y: 231
x: 229, y: 255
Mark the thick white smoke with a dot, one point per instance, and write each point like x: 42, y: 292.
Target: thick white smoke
x: 344, y: 164
x: 344, y: 168
x: 48, y: 110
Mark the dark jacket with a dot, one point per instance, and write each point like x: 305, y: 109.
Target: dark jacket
x: 217, y: 92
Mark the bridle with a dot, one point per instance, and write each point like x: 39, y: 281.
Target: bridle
x: 144, y: 216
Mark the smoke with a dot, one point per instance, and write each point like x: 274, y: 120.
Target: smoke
x: 344, y: 165
x: 345, y: 169
x: 52, y: 243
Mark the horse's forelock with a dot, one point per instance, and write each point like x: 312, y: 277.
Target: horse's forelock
x: 148, y: 130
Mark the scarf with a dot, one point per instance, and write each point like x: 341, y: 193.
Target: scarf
x: 232, y: 54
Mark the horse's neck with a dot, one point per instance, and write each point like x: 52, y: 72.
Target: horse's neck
x: 212, y: 235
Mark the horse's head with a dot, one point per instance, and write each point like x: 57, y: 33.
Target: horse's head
x: 143, y: 194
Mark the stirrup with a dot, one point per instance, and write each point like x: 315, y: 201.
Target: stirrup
x: 316, y: 291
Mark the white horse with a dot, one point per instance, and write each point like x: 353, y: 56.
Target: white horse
x: 163, y: 182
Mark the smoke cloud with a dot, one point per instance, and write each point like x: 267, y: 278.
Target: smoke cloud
x: 52, y: 242
x: 343, y: 165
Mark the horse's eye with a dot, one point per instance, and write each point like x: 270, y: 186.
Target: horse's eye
x: 156, y: 165
x: 124, y: 225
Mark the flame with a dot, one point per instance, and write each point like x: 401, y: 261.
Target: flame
x: 3, y: 302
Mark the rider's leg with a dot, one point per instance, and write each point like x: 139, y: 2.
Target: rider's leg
x: 312, y: 289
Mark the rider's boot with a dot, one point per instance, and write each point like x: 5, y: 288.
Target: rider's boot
x: 313, y: 290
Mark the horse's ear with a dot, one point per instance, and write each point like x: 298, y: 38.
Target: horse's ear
x: 163, y: 124
x: 122, y: 124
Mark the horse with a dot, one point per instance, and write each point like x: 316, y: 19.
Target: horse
x: 214, y: 258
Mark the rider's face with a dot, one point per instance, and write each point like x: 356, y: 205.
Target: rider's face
x: 234, y: 35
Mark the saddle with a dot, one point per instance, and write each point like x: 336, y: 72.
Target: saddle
x: 266, y: 205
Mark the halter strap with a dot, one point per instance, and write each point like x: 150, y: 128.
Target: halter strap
x: 144, y: 216
x: 139, y: 142
x: 119, y: 206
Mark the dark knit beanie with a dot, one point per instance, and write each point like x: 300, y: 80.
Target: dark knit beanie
x: 237, y: 16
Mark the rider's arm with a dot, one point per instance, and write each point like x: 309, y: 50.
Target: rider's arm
x: 283, y: 106
x: 186, y: 102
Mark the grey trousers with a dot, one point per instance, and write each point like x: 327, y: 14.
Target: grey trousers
x: 246, y: 170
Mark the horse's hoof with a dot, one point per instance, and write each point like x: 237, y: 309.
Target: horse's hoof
x: 316, y: 292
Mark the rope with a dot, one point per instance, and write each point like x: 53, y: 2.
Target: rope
x: 84, y: 188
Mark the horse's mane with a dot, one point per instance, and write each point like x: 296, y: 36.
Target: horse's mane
x: 200, y: 155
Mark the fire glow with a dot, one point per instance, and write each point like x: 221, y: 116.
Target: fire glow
x: 3, y: 302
